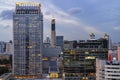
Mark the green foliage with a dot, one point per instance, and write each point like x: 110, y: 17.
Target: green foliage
x: 3, y: 70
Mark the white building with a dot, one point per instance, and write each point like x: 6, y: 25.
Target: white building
x: 106, y: 70
x: 100, y: 72
x: 112, y: 70
x: 9, y: 48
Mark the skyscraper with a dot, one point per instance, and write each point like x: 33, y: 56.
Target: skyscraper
x: 53, y: 33
x: 28, y: 38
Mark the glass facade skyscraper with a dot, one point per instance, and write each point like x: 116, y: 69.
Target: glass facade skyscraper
x: 28, y: 38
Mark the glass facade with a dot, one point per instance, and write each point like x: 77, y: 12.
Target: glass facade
x: 60, y: 41
x: 28, y: 39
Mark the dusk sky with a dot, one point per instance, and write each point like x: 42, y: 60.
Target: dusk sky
x: 75, y: 19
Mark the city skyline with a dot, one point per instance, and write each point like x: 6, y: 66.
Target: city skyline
x: 73, y: 18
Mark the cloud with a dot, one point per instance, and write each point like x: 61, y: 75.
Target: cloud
x: 47, y: 13
x: 93, y: 30
x: 61, y: 16
x: 67, y: 25
x: 74, y: 11
x: 116, y: 28
x: 7, y: 26
x: 6, y: 14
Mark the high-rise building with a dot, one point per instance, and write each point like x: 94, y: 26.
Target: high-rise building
x: 53, y: 33
x: 28, y: 39
x: 59, y: 41
x: 80, y: 59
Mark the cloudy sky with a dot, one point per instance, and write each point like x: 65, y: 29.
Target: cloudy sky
x: 75, y: 19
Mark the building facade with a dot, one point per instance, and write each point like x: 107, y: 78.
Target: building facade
x: 28, y: 39
x: 53, y: 33
x: 80, y: 61
x: 60, y: 41
x: 9, y: 48
x: 107, y: 70
x: 100, y: 69
x: 112, y: 71
x: 2, y: 47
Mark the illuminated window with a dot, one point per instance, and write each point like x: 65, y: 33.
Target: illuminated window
x: 90, y: 57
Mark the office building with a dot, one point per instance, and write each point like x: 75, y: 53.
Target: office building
x: 9, y: 48
x: 47, y: 42
x: 100, y: 69
x: 107, y: 70
x: 80, y: 59
x: 2, y: 47
x: 112, y: 70
x: 60, y: 41
x: 28, y: 39
x: 6, y: 47
x: 53, y: 33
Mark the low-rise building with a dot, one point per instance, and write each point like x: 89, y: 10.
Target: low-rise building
x: 107, y: 70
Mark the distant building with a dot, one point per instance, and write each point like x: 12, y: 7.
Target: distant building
x: 28, y: 39
x: 68, y: 44
x: 2, y: 47
x: 53, y: 33
x: 112, y: 53
x: 60, y: 41
x: 79, y: 58
x: 6, y: 47
x: 9, y: 48
x: 47, y: 42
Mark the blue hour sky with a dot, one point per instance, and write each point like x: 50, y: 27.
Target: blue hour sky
x: 75, y: 19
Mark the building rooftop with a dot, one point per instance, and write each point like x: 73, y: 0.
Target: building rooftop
x: 113, y: 62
